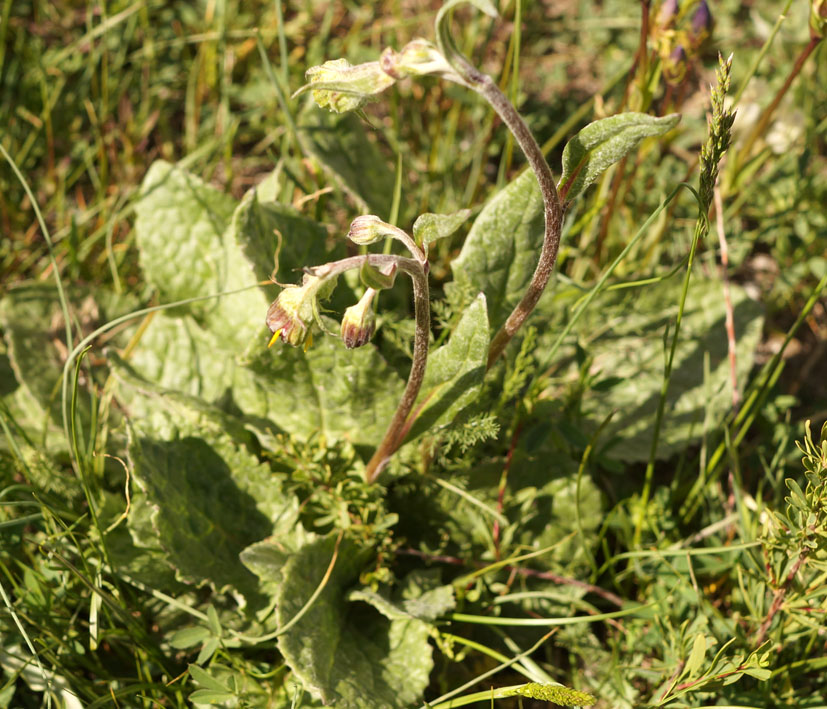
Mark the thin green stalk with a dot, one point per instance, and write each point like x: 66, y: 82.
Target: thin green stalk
x: 441, y: 701
x: 664, y: 389
x: 546, y: 622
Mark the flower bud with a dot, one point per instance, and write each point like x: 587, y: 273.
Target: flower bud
x: 368, y: 229
x: 359, y: 321
x: 346, y: 87
x: 674, y: 66
x: 667, y: 13
x: 418, y: 57
x: 290, y: 314
x: 701, y: 24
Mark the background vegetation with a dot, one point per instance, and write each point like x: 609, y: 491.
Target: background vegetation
x: 696, y: 581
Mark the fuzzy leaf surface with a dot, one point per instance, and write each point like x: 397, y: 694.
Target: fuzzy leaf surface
x: 179, y: 227
x: 210, y: 499
x: 330, y: 390
x: 430, y: 227
x: 604, y: 142
x: 346, y: 653
x: 455, y: 372
x: 501, y: 250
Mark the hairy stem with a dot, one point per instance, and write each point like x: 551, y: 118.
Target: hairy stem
x: 553, y: 210
x: 396, y: 429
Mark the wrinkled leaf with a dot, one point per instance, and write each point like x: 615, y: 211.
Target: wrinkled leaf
x: 211, y: 499
x: 427, y: 607
x: 194, y: 241
x: 302, y: 242
x: 454, y: 372
x: 327, y: 390
x: 501, y: 250
x: 604, y: 142
x: 336, y: 641
x: 179, y: 227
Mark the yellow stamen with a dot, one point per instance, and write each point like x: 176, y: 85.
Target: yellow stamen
x: 274, y: 338
x: 308, y: 343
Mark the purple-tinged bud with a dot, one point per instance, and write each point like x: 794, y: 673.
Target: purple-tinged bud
x: 674, y: 66
x: 702, y: 23
x: 359, y: 321
x: 368, y: 229
x: 667, y: 13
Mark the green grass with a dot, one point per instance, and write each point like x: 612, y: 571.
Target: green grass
x: 548, y: 506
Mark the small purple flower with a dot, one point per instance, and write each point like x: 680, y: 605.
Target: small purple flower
x: 701, y: 23
x: 674, y: 67
x: 668, y: 11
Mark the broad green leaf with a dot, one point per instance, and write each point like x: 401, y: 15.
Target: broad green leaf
x: 179, y: 227
x: 211, y: 499
x: 340, y: 393
x: 194, y: 241
x: 631, y: 355
x: 188, y: 637
x: 429, y: 227
x: 175, y: 353
x: 203, y: 677
x: 340, y: 143
x: 327, y: 390
x: 454, y: 372
x: 501, y: 250
x: 346, y: 653
x: 211, y: 696
x: 604, y: 142
x: 424, y: 596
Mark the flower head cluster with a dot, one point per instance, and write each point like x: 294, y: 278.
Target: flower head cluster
x: 679, y: 33
x: 289, y: 316
x: 341, y: 86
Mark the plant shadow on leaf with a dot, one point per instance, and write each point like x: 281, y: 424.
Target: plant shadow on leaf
x: 631, y: 356
x: 202, y: 517
x: 346, y: 652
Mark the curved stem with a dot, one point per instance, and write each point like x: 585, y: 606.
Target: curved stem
x: 553, y: 210
x: 396, y: 429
